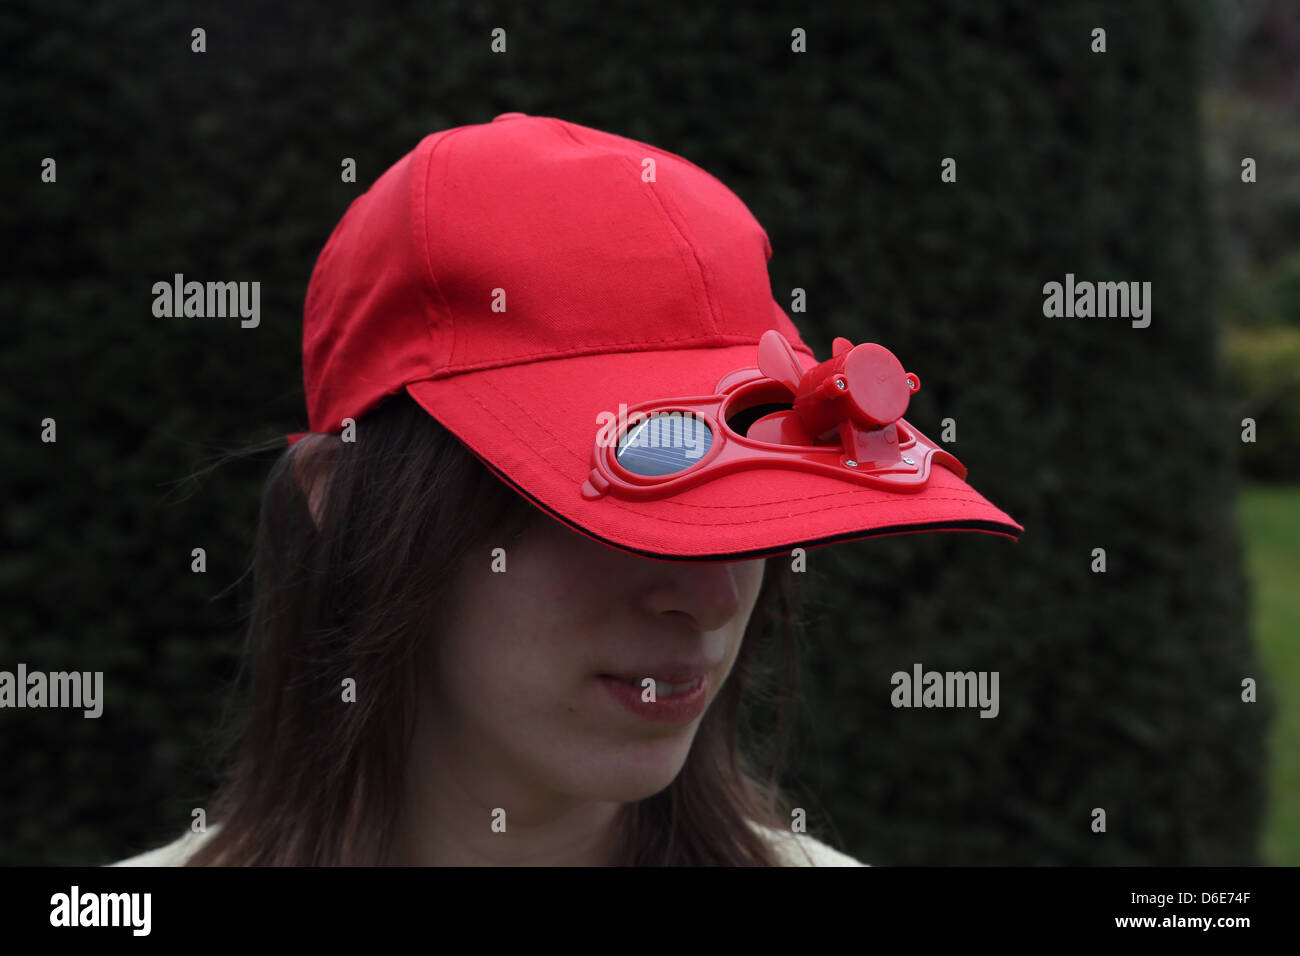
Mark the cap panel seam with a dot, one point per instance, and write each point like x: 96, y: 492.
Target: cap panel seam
x: 767, y: 242
x: 661, y: 206
x: 598, y: 349
x: 424, y: 240
x: 652, y: 148
x: 657, y: 204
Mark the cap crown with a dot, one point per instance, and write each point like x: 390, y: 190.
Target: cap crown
x: 522, y: 240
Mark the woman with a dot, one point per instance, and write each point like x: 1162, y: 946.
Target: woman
x: 515, y: 591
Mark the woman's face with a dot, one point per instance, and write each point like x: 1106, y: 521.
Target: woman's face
x: 527, y: 696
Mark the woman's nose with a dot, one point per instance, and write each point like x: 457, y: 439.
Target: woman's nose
x: 705, y: 591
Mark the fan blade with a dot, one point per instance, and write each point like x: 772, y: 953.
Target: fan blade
x: 777, y: 360
x: 779, y: 428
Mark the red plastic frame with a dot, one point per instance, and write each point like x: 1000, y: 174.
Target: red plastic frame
x: 891, y: 456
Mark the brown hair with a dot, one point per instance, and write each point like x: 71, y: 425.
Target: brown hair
x: 340, y: 595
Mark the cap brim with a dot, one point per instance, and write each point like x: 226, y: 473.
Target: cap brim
x: 535, y: 426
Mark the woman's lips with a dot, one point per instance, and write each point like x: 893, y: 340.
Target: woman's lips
x: 669, y: 673
x: 662, y: 688
x: 672, y: 703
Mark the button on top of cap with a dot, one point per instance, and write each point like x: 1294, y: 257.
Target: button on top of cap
x: 506, y: 116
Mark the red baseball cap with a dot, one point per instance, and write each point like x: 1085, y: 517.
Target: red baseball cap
x: 529, y: 281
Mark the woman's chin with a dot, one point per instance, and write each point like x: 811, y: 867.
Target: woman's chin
x: 635, y: 772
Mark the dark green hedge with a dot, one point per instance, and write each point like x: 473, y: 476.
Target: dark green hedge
x: 1119, y: 690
